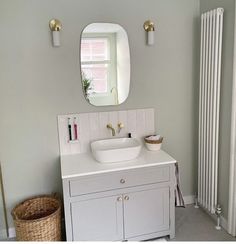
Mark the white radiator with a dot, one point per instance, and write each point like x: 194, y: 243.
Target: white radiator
x: 209, y: 104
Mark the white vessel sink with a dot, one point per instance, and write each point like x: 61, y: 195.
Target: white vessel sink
x: 115, y: 150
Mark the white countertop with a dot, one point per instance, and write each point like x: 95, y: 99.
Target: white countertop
x: 84, y: 164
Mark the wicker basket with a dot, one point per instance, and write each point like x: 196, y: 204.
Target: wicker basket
x: 38, y: 219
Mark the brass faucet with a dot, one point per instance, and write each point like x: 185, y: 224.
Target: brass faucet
x: 120, y: 126
x: 109, y: 126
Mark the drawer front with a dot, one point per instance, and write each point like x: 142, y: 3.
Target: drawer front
x: 120, y: 179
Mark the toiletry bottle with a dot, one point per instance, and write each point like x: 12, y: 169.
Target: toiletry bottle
x: 75, y: 129
x: 69, y: 130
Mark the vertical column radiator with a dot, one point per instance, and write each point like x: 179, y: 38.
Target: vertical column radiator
x: 209, y: 104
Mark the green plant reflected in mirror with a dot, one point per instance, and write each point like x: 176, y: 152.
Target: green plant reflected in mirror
x: 105, y: 64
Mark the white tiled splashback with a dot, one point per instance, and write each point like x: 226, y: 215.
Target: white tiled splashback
x: 92, y: 126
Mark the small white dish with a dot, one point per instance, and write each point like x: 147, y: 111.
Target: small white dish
x: 153, y: 147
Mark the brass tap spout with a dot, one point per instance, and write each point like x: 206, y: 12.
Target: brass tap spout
x: 109, y: 126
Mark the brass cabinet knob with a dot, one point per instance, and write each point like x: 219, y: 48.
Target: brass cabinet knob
x: 119, y: 199
x: 126, y: 198
x: 122, y: 181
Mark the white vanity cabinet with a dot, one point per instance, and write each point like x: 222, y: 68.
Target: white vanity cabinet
x: 134, y: 203
x: 97, y: 218
x: 146, y: 211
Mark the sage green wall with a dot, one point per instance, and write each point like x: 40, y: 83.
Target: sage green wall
x: 226, y: 98
x: 38, y: 82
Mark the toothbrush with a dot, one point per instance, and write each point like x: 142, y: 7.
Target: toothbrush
x: 75, y: 129
x: 69, y: 130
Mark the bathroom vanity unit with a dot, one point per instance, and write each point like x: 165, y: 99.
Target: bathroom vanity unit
x: 132, y: 200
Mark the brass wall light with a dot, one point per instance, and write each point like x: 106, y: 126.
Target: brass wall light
x: 149, y: 28
x: 55, y: 26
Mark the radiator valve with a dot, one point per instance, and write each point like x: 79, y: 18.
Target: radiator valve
x: 196, y: 201
x: 218, y: 214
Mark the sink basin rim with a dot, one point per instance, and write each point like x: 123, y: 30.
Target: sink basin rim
x: 94, y: 144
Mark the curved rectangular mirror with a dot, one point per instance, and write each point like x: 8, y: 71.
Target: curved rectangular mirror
x: 105, y: 64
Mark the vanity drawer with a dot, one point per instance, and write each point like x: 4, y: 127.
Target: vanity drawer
x: 121, y: 179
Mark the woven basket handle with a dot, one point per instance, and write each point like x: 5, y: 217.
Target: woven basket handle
x: 14, y: 216
x: 56, y: 195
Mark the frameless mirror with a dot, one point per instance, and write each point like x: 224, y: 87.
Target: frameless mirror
x: 105, y: 64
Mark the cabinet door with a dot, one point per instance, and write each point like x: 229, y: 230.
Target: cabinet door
x: 146, y: 212
x: 98, y: 219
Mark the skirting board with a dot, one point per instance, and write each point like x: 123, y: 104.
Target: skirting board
x: 189, y: 199
x: 12, y: 233
x: 224, y: 223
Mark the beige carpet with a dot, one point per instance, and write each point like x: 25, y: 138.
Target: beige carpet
x: 195, y: 225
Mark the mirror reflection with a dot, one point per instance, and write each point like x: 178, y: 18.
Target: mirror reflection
x: 105, y: 64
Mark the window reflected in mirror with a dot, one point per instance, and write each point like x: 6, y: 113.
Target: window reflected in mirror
x: 105, y: 64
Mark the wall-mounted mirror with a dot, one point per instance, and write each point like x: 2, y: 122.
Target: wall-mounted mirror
x: 105, y: 64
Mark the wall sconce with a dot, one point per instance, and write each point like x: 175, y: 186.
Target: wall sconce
x: 55, y: 26
x: 149, y: 28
